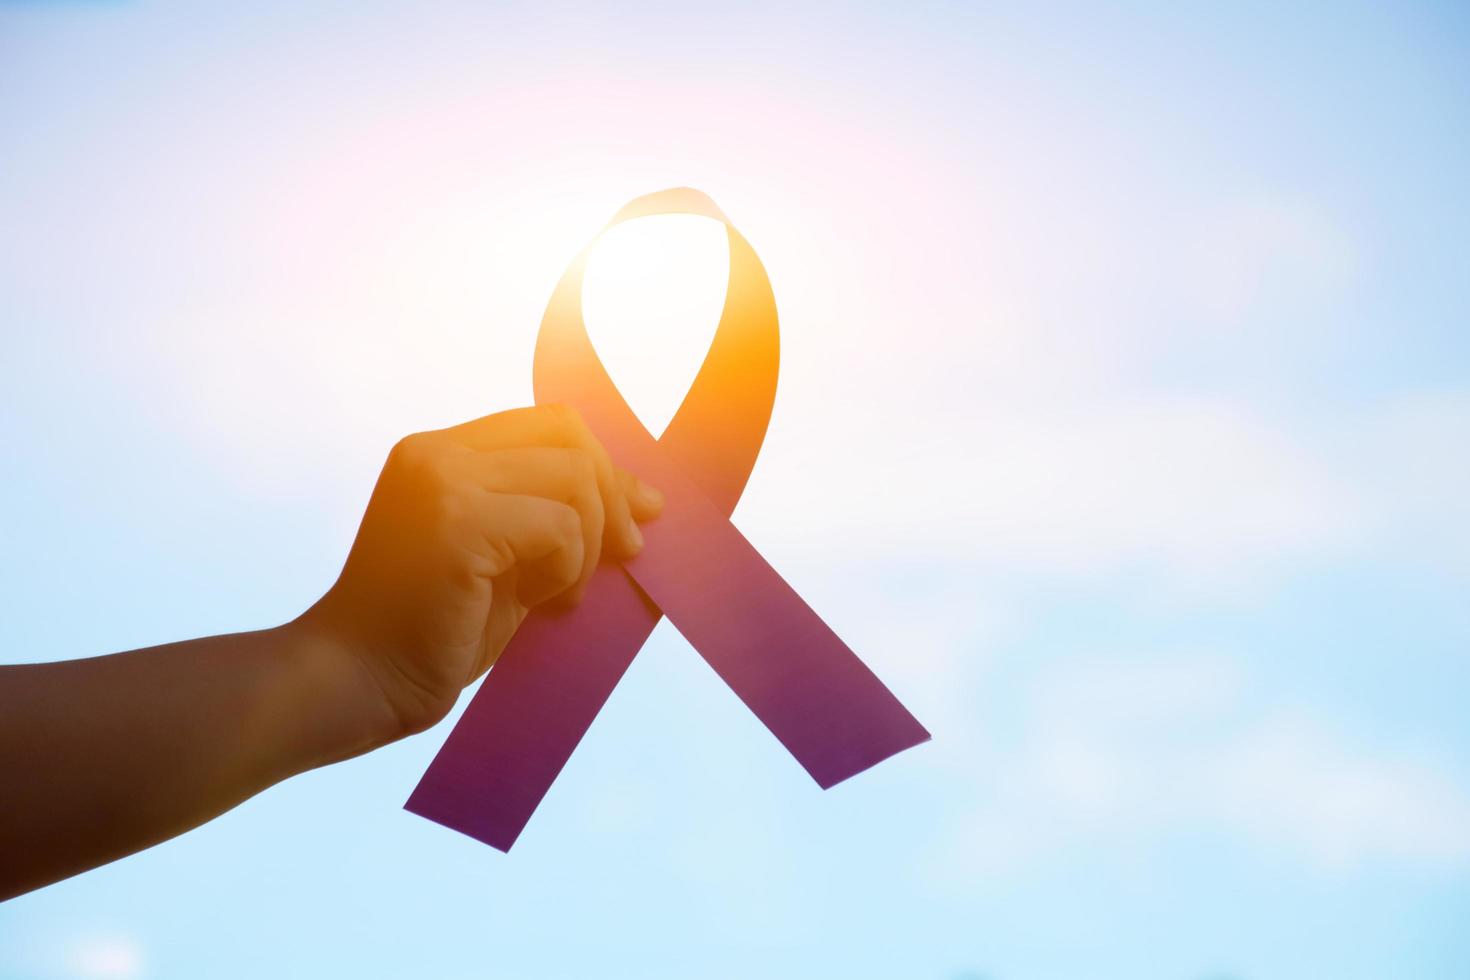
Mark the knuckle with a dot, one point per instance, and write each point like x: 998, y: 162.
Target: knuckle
x: 408, y: 447
x: 567, y: 521
x: 571, y: 422
x: 464, y: 577
x: 414, y: 455
x: 565, y: 411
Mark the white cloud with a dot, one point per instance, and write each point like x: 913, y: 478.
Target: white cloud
x: 106, y: 956
x: 1266, y: 249
x: 1198, y: 489
x: 1410, y: 459
x: 1293, y: 782
x: 1193, y: 486
x: 1115, y: 753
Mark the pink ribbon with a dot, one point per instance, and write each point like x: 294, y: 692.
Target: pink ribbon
x: 774, y: 652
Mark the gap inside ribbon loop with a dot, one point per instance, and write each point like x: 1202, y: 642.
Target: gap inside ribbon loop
x: 718, y: 429
x: 651, y: 300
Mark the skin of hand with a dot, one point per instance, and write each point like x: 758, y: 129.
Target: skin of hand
x: 466, y: 530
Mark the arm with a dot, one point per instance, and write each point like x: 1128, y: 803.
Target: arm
x: 467, y: 529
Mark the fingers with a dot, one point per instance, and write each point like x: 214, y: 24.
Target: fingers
x: 643, y: 500
x: 567, y: 475
x: 540, y: 539
x: 548, y: 452
x: 557, y: 426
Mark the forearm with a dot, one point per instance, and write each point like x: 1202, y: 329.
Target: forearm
x: 106, y: 756
x: 467, y: 528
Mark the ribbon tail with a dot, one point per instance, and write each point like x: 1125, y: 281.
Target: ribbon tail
x: 532, y: 710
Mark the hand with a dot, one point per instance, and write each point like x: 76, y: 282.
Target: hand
x: 467, y: 529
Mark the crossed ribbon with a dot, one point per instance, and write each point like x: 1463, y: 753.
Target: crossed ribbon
x: 789, y: 668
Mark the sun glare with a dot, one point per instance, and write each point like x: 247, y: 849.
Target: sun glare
x: 651, y: 297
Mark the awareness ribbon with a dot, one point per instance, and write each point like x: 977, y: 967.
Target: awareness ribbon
x: 789, y: 668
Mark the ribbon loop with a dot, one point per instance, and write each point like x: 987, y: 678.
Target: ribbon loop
x: 717, y: 432
x: 773, y: 651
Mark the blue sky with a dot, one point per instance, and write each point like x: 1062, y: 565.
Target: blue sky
x: 1124, y: 399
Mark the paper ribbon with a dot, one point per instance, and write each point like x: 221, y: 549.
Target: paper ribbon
x: 789, y: 668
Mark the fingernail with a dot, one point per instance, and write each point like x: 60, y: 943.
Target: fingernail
x: 635, y: 535
x: 650, y: 494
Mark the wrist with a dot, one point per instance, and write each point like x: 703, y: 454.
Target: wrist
x: 343, y: 701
